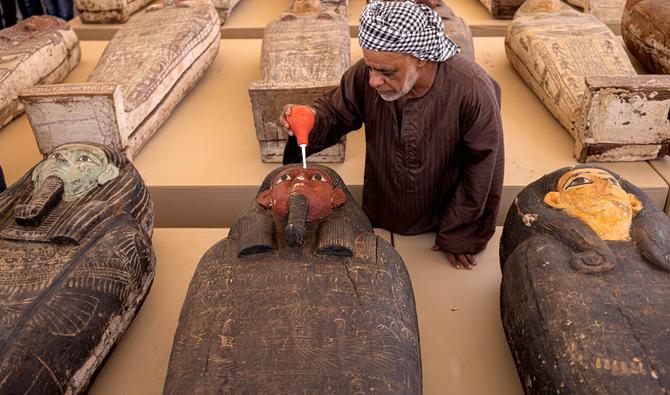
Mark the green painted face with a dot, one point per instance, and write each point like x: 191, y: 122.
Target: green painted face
x: 81, y: 167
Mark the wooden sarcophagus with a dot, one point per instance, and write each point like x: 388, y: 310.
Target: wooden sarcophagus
x: 304, y: 54
x: 585, y: 283
x: 76, y: 263
x: 108, y: 11
x: 579, y: 70
x: 502, y: 9
x: 39, y: 50
x: 301, y: 297
x: 145, y: 71
x: 645, y: 28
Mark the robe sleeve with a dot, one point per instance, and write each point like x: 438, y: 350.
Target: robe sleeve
x: 469, y: 219
x: 338, y: 112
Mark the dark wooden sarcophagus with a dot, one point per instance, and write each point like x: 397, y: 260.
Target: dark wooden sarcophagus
x: 585, y: 285
x: 301, y: 297
x: 76, y: 262
x: 645, y: 28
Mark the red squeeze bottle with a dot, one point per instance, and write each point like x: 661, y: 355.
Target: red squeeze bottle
x: 301, y: 122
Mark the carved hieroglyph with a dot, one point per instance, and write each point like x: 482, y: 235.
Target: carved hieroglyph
x: 144, y: 72
x: 76, y: 262
x: 38, y: 50
x: 502, y: 9
x: 646, y: 30
x: 108, y: 11
x: 582, y: 74
x: 585, y: 280
x: 304, y: 54
x: 608, y: 11
x: 289, y: 305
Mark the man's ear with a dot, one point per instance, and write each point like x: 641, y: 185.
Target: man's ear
x: 107, y: 175
x: 635, y: 203
x: 339, y: 197
x: 553, y: 199
x: 265, y: 199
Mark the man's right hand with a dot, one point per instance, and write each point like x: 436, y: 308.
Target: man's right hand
x: 286, y: 111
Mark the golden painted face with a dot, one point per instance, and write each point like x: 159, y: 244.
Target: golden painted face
x: 595, y: 197
x: 305, y: 7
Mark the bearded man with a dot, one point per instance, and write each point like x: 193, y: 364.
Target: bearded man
x: 434, y: 142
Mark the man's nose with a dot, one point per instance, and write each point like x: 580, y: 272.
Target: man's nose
x: 376, y: 80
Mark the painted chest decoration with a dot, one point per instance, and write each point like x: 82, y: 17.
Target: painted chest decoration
x: 586, y: 275
x: 301, y: 297
x: 76, y: 262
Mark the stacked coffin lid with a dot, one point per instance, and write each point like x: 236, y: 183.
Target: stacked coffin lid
x: 646, y: 31
x: 582, y: 74
x: 108, y: 11
x: 144, y: 72
x: 38, y: 50
x: 304, y: 54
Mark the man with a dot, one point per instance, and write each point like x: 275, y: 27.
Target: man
x: 434, y: 143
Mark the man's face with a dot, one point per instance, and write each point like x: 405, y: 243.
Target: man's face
x: 392, y: 74
x: 312, y: 183
x: 595, y: 197
x: 81, y: 167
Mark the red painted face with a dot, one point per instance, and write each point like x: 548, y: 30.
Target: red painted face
x: 312, y: 183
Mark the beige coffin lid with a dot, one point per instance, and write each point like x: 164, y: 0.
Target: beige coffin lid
x: 137, y: 73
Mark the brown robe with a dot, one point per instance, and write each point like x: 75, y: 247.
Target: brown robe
x: 434, y: 163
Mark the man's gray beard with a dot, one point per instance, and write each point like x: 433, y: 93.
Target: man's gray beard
x: 411, y: 79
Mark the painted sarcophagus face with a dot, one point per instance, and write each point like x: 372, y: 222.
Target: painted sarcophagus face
x: 145, y: 71
x: 108, y: 11
x: 304, y: 54
x: 645, y: 29
x: 585, y: 284
x: 301, y: 297
x: 581, y: 73
x: 76, y: 262
x: 39, y: 50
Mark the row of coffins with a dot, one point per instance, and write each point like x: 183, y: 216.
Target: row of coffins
x: 119, y: 11
x: 301, y: 296
x: 608, y: 11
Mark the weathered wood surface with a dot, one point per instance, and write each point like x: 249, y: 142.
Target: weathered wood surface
x: 645, y: 29
x: 608, y: 11
x: 73, y: 276
x: 335, y: 315
x: 583, y: 315
x: 38, y: 50
x: 502, y: 9
x: 304, y: 54
x: 582, y: 74
x: 145, y: 71
x: 108, y: 11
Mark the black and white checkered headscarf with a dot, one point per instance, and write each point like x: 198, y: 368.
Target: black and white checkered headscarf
x: 405, y: 27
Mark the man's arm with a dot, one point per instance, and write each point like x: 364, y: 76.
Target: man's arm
x: 468, y: 221
x: 338, y: 112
